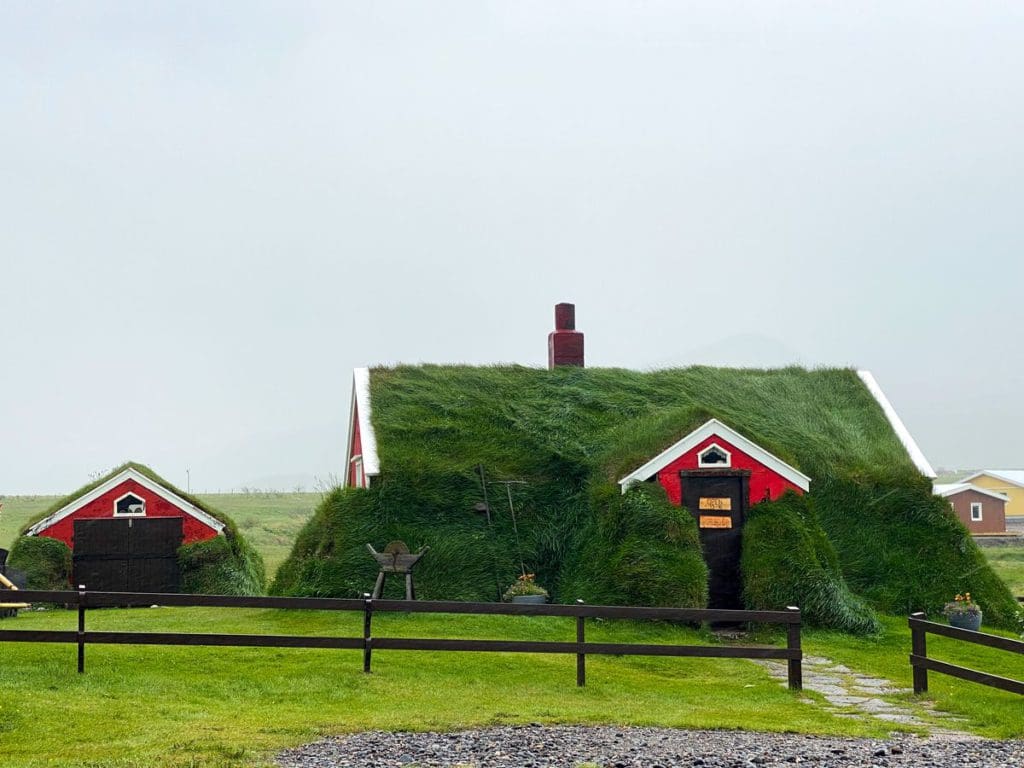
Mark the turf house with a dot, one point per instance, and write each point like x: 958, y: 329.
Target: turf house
x: 132, y: 531
x: 685, y: 487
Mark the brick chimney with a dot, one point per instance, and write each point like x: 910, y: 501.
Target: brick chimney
x: 565, y: 343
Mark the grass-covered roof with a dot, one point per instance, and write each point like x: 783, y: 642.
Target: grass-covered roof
x: 570, y: 433
x: 142, y: 469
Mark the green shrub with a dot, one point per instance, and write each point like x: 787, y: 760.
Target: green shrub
x: 223, y: 565
x: 45, y: 562
x: 788, y: 560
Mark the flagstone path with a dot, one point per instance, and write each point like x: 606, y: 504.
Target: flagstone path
x: 854, y: 695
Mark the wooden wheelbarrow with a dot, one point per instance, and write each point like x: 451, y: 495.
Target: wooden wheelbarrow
x: 396, y: 558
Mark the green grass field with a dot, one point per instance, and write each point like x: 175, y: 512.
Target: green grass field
x: 218, y: 707
x: 269, y: 521
x: 1008, y: 562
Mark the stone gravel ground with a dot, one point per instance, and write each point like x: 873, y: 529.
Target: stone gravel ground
x: 537, y: 746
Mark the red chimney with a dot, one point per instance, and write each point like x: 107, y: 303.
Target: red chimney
x: 565, y: 343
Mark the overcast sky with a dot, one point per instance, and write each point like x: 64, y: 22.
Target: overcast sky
x: 211, y: 212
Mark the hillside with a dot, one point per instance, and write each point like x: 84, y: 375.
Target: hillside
x: 566, y: 435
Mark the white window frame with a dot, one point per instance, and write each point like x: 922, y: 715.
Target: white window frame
x: 358, y: 478
x: 714, y: 464
x: 130, y: 514
x: 976, y: 507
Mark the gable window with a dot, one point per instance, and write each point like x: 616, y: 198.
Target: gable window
x: 357, y: 472
x: 129, y: 505
x: 714, y: 456
x: 975, y: 511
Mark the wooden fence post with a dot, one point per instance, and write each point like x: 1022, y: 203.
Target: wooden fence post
x: 81, y: 629
x: 918, y: 647
x: 796, y: 669
x: 367, y: 641
x: 581, y: 658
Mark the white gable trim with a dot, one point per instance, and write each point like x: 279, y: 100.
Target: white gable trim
x: 360, y: 404
x: 120, y: 477
x: 994, y: 475
x: 916, y: 455
x: 954, y: 489
x: 715, y: 428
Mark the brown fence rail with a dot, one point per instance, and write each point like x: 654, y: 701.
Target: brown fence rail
x: 920, y: 627
x: 83, y: 600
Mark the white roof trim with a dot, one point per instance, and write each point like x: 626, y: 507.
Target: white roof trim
x: 120, y: 477
x: 945, y: 490
x: 916, y: 455
x: 995, y: 474
x: 715, y: 428
x: 367, y: 437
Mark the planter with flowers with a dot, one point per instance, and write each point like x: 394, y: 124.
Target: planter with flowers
x: 525, y: 590
x: 963, y: 612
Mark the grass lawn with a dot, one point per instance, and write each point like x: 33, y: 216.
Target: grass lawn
x: 142, y: 706
x: 269, y: 521
x: 1008, y: 562
x: 987, y: 711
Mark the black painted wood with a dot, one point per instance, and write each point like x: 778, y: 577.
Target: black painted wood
x: 971, y: 675
x: 137, y: 554
x: 721, y: 546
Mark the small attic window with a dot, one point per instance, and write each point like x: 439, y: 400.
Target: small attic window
x: 714, y: 456
x: 129, y: 505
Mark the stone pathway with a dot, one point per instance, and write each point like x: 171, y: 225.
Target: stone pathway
x: 854, y: 695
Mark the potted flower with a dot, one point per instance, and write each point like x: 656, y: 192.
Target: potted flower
x: 963, y: 612
x: 525, y: 590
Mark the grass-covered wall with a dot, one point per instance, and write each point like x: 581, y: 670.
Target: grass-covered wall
x: 224, y: 565
x: 568, y: 434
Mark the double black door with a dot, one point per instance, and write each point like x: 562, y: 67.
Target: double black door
x: 718, y: 501
x: 128, y: 555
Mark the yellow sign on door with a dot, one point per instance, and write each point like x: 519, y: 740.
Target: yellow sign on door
x: 716, y: 503
x: 710, y: 521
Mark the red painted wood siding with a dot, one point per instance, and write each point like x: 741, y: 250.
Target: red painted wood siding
x: 993, y: 511
x: 763, y: 481
x: 356, y: 449
x: 156, y: 506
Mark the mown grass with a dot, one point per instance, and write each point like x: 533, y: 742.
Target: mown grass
x: 206, y: 707
x: 268, y: 520
x: 1008, y: 562
x: 987, y: 711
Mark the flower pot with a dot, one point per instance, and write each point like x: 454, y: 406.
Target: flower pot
x: 971, y: 621
x: 531, y: 599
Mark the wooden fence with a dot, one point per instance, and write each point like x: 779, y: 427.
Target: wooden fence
x: 920, y: 627
x: 83, y: 600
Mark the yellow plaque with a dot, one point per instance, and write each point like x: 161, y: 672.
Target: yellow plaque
x: 723, y: 504
x: 709, y: 521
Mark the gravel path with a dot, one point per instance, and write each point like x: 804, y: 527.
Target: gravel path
x: 537, y: 746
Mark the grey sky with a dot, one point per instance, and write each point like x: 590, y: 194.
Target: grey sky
x: 211, y: 212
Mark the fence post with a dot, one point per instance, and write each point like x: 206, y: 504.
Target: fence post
x: 367, y: 641
x: 81, y: 629
x: 918, y: 647
x: 581, y: 658
x: 796, y: 669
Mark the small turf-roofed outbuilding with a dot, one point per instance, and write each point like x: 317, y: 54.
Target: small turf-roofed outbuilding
x: 132, y: 531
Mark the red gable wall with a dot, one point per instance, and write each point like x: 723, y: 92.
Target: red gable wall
x: 763, y: 481
x: 156, y: 506
x: 356, y: 449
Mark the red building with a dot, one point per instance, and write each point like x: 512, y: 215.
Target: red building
x: 125, y: 532
x: 128, y: 495
x: 980, y: 510
x: 718, y: 474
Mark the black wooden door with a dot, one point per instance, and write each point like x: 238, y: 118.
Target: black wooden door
x: 718, y: 503
x: 128, y: 555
